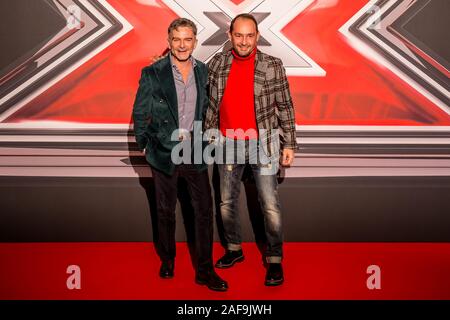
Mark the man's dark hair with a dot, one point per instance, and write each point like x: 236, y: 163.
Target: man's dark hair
x: 243, y: 16
x: 182, y: 22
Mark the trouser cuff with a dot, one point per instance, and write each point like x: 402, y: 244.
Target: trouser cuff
x: 273, y: 259
x: 234, y: 247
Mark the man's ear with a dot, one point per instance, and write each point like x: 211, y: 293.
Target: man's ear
x: 195, y: 44
x: 229, y: 35
x: 257, y: 36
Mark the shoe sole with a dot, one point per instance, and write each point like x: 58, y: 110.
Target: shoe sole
x: 211, y: 288
x: 273, y: 283
x: 225, y: 266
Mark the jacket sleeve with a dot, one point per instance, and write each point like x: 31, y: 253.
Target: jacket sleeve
x: 141, y: 110
x: 285, y: 107
x: 212, y: 114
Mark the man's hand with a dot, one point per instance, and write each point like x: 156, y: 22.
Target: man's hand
x: 156, y: 57
x: 287, y: 158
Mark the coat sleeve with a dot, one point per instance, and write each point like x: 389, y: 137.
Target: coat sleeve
x: 141, y: 110
x: 212, y: 114
x: 285, y: 107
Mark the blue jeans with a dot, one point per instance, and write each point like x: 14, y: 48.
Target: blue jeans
x: 267, y: 185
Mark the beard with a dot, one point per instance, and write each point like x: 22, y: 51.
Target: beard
x: 242, y: 55
x: 179, y: 59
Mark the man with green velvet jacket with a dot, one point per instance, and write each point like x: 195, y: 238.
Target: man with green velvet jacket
x: 170, y: 104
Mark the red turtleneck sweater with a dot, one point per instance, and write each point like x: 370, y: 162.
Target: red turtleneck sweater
x: 237, y: 110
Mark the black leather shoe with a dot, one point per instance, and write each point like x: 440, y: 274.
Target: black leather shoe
x: 212, y: 280
x: 230, y: 258
x: 274, y: 275
x: 166, y: 270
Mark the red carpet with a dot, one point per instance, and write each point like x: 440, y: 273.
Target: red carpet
x: 312, y: 271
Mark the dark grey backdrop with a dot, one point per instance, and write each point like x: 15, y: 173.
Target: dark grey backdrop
x: 314, y: 209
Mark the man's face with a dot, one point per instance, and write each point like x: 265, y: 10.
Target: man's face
x: 182, y: 43
x: 244, y: 36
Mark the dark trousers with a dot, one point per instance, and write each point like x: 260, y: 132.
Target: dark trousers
x: 166, y: 198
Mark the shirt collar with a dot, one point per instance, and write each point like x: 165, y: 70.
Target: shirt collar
x: 172, y: 62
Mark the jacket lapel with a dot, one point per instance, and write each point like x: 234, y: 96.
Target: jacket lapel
x: 260, y: 73
x: 165, y: 77
x: 199, y: 83
x: 223, y: 75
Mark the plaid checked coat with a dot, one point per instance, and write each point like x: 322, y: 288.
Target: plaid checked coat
x: 273, y: 103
